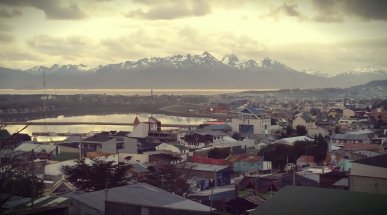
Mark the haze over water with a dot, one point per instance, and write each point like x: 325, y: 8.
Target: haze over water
x: 127, y: 92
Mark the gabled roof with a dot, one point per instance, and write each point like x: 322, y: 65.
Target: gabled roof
x: 136, y: 121
x: 27, y: 147
x: 205, y: 167
x: 101, y: 137
x: 258, y: 112
x: 349, y: 136
x: 321, y: 201
x: 139, y: 194
x: 378, y: 161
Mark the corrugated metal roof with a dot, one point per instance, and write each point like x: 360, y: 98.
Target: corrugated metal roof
x: 139, y: 194
x: 205, y: 167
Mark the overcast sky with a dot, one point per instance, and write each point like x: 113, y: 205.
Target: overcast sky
x: 324, y: 35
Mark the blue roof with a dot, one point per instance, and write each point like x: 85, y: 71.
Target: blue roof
x: 253, y: 110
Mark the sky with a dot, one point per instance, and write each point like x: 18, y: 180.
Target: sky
x: 323, y: 35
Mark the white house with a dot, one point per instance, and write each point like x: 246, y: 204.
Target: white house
x: 109, y: 143
x: 173, y: 148
x: 251, y: 120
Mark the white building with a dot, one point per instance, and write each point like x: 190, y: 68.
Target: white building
x: 251, y: 120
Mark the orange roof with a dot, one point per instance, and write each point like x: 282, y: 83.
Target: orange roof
x: 206, y: 160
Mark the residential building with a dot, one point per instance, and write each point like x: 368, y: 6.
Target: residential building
x: 109, y: 143
x: 348, y: 113
x: 40, y: 150
x: 304, y: 120
x: 291, y: 140
x: 320, y: 201
x: 220, y: 174
x: 251, y: 120
x: 341, y: 139
x: 135, y: 199
x: 369, y: 175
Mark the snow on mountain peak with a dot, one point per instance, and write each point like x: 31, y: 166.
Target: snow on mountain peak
x: 368, y: 69
x: 231, y: 60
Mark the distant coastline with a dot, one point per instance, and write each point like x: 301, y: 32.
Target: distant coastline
x: 130, y: 92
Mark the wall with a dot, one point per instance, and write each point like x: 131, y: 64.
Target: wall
x: 365, y: 178
x: 82, y: 209
x: 259, y: 124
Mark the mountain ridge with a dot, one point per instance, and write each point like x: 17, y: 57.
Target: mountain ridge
x: 184, y: 71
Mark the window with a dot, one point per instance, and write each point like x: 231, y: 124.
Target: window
x: 120, y: 145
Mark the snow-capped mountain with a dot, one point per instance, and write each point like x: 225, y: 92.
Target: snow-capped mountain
x: 368, y: 69
x: 185, y: 71
x: 317, y: 73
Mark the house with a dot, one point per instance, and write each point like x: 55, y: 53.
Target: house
x: 341, y: 139
x: 251, y: 120
x: 320, y: 201
x: 40, y: 151
x: 291, y: 140
x: 304, y: 120
x: 218, y: 195
x: 109, y: 143
x: 179, y: 149
x: 306, y: 161
x: 369, y: 175
x: 243, y: 164
x: 379, y: 114
x: 201, y: 138
x: 348, y: 113
x: 135, y: 199
x: 220, y: 174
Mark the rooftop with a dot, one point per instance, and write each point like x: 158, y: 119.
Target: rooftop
x: 297, y: 200
x: 139, y: 194
x: 378, y: 161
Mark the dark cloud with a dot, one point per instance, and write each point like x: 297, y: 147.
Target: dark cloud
x: 52, y: 9
x: 9, y: 14
x: 331, y: 10
x: 173, y: 10
x: 287, y: 10
x: 60, y: 46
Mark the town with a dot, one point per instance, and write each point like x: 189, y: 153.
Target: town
x: 253, y: 153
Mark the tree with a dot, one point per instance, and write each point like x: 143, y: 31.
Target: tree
x: 16, y: 174
x: 301, y: 130
x: 170, y: 178
x: 289, y: 131
x: 98, y: 175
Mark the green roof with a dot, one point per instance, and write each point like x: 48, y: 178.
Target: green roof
x: 181, y: 147
x: 320, y: 201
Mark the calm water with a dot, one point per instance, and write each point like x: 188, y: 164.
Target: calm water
x: 124, y: 118
x: 127, y: 92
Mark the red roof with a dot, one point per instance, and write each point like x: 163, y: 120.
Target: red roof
x: 206, y: 160
x: 214, y: 123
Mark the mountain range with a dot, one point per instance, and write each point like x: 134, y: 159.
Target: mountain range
x: 184, y: 71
